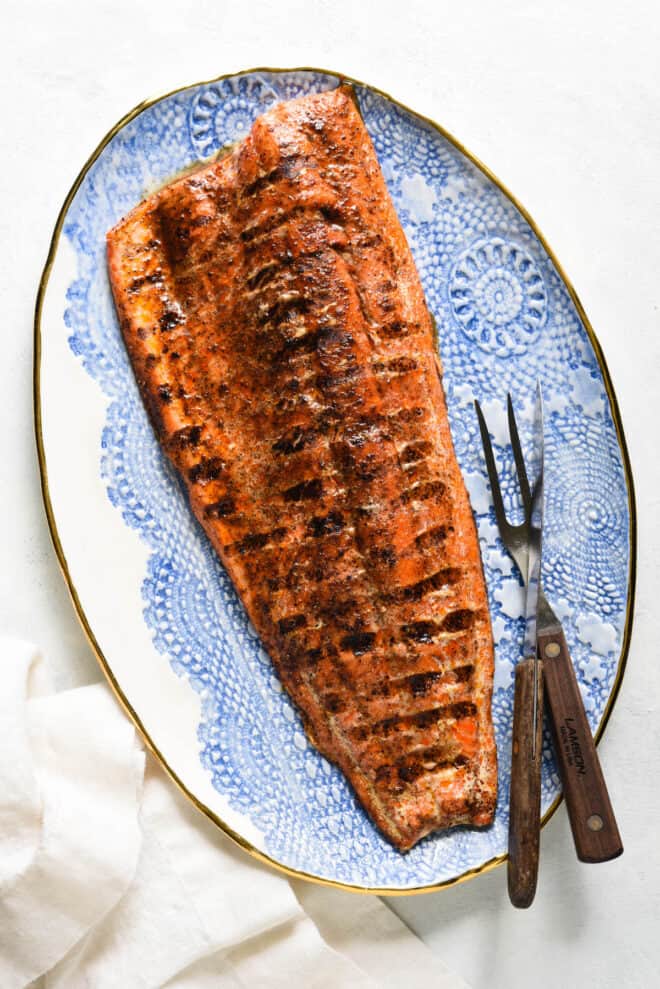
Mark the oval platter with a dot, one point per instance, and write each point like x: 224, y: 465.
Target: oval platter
x: 160, y: 612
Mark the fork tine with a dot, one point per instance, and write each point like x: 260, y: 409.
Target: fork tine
x: 518, y: 457
x: 492, y: 471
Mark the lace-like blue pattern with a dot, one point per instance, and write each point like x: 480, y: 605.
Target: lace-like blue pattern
x: 504, y: 318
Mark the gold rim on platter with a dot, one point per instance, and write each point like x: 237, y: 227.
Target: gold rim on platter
x: 59, y: 550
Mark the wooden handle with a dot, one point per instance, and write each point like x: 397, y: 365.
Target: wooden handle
x: 525, y: 799
x: 594, y: 826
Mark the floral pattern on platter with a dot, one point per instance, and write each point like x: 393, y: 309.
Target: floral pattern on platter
x: 505, y: 318
x: 223, y: 112
x: 498, y: 296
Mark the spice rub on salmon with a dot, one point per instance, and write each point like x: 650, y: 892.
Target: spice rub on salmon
x: 281, y: 342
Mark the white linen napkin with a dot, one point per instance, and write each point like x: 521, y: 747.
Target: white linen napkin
x: 111, y: 879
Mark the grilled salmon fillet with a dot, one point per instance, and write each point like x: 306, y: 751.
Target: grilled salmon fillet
x: 280, y: 339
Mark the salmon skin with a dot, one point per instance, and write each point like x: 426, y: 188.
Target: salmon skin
x: 282, y: 345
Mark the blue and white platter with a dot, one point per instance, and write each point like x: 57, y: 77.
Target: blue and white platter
x: 160, y: 611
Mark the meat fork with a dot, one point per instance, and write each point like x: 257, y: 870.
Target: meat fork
x: 524, y: 544
x: 593, y: 823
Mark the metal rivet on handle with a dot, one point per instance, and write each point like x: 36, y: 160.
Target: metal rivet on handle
x: 595, y: 822
x: 552, y: 650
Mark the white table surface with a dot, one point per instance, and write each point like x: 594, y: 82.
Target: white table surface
x: 561, y: 98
